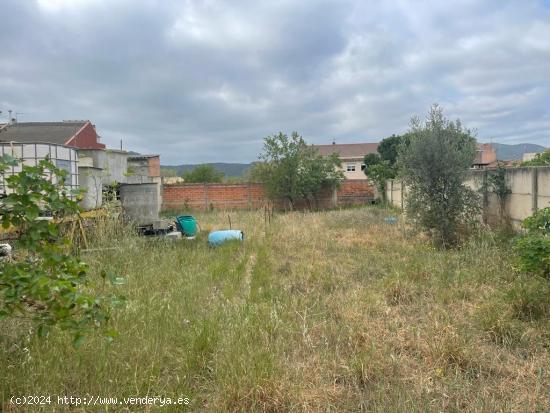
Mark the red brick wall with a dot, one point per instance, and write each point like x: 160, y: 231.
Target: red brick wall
x: 244, y: 196
x: 86, y: 138
x: 355, y: 192
x: 154, y: 166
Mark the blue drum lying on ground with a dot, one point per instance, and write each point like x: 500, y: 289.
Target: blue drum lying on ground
x: 216, y: 238
x: 390, y: 220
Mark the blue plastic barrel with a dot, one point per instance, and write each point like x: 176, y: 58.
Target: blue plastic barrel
x: 390, y: 220
x: 216, y: 238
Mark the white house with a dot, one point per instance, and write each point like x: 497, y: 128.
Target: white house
x: 351, y: 155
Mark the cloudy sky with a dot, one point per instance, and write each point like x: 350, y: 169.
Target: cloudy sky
x: 200, y: 81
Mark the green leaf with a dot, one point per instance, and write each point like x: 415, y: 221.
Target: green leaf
x: 8, y: 160
x: 110, y: 335
x: 43, y: 331
x: 79, y: 339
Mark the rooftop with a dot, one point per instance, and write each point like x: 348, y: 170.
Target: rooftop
x: 143, y: 156
x: 348, y: 150
x: 50, y: 132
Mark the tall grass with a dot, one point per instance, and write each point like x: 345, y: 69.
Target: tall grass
x: 330, y: 311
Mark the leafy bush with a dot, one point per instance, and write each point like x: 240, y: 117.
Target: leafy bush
x: 381, y: 166
x: 434, y: 166
x: 293, y: 170
x: 45, y: 282
x: 539, y: 222
x: 540, y: 159
x: 379, y: 171
x: 533, y: 248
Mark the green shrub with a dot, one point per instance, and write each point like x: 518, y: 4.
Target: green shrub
x: 45, y: 282
x: 533, y: 248
x: 539, y: 222
x: 434, y: 166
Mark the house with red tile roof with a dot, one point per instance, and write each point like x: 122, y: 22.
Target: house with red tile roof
x: 79, y: 134
x: 351, y: 155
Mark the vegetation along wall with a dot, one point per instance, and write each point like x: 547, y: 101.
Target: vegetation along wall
x: 252, y: 196
x: 529, y: 190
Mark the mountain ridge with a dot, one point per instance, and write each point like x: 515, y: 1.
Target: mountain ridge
x: 229, y: 169
x: 514, y: 152
x: 505, y: 152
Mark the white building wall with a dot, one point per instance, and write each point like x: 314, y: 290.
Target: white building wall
x: 353, y: 168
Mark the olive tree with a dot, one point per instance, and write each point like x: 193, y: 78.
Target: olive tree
x: 434, y: 166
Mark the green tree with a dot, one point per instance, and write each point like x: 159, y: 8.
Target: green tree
x: 380, y: 172
x: 371, y: 159
x: 203, y: 173
x: 434, y: 166
x: 540, y: 159
x: 389, y: 148
x: 46, y: 283
x: 291, y: 169
x: 382, y: 166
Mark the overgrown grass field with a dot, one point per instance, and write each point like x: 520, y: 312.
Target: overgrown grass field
x: 317, y: 312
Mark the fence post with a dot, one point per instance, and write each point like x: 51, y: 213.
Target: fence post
x: 249, y: 196
x: 534, y: 189
x: 205, y: 188
x: 391, y: 192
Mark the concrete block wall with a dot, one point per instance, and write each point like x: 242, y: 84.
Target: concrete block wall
x: 529, y: 186
x: 90, y: 181
x: 543, y: 185
x: 114, y: 163
x: 140, y: 202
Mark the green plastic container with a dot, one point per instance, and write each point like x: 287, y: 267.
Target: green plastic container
x: 188, y: 225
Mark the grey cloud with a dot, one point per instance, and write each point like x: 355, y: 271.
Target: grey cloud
x: 207, y: 80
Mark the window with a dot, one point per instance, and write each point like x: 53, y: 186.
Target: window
x: 350, y: 167
x: 66, y: 166
x: 363, y: 166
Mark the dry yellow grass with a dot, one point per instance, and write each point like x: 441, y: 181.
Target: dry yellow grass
x: 322, y: 312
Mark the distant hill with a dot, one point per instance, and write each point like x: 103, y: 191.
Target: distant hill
x: 504, y: 153
x: 229, y: 169
x: 515, y: 152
